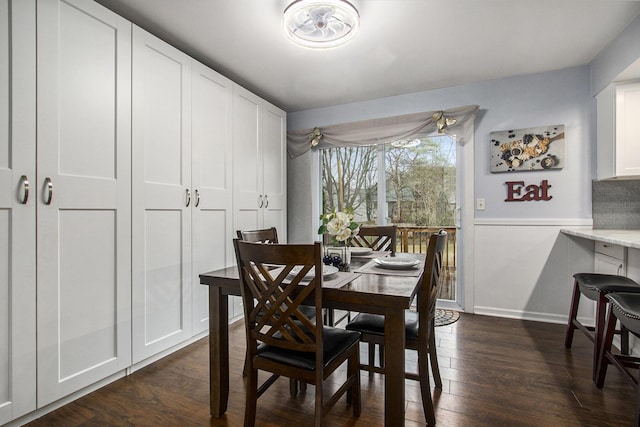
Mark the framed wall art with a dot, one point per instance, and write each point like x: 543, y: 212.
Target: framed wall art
x: 531, y: 149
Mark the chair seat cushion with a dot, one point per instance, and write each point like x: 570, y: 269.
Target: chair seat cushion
x: 593, y: 284
x: 374, y: 324
x: 335, y: 342
x: 627, y: 309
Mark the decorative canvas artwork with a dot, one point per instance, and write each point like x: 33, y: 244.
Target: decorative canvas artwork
x: 531, y: 149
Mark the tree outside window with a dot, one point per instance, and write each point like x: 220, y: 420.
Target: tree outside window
x: 419, y: 174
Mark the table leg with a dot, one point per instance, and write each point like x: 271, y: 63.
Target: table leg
x: 394, y: 342
x: 218, y: 351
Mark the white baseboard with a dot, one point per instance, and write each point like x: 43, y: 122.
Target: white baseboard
x: 522, y: 315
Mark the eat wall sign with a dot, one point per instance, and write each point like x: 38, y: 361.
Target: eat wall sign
x: 517, y: 191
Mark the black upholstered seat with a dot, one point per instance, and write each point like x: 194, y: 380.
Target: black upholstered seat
x: 374, y: 324
x: 596, y: 286
x: 335, y: 341
x: 592, y: 284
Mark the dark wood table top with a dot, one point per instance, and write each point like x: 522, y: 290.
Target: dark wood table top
x: 375, y: 291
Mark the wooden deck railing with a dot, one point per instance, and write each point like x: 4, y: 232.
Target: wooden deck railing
x: 415, y: 239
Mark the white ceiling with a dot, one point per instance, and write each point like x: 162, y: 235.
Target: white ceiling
x: 403, y: 46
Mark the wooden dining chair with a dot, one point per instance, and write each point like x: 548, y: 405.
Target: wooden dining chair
x: 281, y: 339
x: 377, y: 237
x: 270, y: 236
x: 419, y: 326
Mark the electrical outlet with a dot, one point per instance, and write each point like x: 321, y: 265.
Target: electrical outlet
x: 480, y: 204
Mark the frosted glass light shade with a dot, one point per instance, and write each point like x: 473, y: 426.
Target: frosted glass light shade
x: 320, y: 24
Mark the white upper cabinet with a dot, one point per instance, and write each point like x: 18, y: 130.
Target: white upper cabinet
x: 17, y: 208
x: 628, y: 129
x: 162, y: 196
x: 83, y: 194
x: 618, y: 130
x: 259, y: 164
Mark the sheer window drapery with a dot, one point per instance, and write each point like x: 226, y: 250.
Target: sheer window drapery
x: 379, y: 131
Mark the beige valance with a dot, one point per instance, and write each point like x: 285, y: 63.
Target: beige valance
x: 379, y: 131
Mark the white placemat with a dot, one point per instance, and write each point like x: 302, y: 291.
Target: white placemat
x: 373, y: 268
x: 335, y: 280
x: 339, y: 279
x: 371, y: 255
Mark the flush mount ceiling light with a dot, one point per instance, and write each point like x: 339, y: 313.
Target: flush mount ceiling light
x: 320, y: 24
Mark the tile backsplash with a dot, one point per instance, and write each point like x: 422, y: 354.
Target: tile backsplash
x: 616, y: 203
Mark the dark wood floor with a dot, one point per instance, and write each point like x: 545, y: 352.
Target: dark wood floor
x: 496, y: 372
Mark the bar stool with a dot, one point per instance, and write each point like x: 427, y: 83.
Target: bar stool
x: 596, y: 286
x: 624, y: 307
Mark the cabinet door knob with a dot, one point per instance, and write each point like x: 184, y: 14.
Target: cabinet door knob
x: 266, y: 199
x: 25, y: 189
x: 261, y: 202
x: 197, y: 198
x: 48, y: 187
x: 188, y: 197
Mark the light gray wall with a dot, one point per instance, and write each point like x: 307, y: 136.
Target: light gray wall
x: 521, y: 265
x: 527, y: 274
x: 559, y: 97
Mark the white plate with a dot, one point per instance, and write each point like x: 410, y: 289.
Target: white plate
x: 397, y: 263
x: 327, y: 270
x: 355, y: 251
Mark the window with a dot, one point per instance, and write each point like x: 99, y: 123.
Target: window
x: 417, y: 178
x: 410, y: 183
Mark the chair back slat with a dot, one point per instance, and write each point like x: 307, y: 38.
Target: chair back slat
x: 266, y: 235
x: 376, y: 237
x: 431, y: 282
x: 273, y: 296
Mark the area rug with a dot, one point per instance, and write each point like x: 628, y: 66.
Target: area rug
x: 445, y: 317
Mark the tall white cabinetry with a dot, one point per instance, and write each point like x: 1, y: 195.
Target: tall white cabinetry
x: 182, y: 194
x: 116, y: 191
x: 211, y: 172
x: 162, y: 195
x: 83, y: 195
x: 259, y: 167
x: 17, y: 208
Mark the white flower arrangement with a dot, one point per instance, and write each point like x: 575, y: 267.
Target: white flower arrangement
x: 340, y: 225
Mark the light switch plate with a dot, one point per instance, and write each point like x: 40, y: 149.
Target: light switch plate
x: 480, y: 204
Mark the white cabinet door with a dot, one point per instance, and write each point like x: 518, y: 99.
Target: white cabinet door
x: 259, y: 164
x: 162, y: 195
x: 83, y: 193
x: 628, y: 129
x: 17, y: 208
x: 272, y: 141
x: 211, y: 183
x: 247, y: 161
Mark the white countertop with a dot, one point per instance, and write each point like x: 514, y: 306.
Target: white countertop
x: 626, y: 238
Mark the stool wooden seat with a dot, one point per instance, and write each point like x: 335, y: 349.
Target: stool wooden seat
x: 596, y: 286
x: 624, y: 307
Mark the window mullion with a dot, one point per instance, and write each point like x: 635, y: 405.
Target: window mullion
x: 382, y: 186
